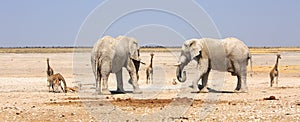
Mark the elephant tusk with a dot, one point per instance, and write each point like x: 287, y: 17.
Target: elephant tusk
x: 142, y: 63
x: 178, y: 64
x: 138, y: 60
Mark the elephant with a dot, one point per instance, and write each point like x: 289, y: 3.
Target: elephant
x: 226, y: 55
x: 110, y: 55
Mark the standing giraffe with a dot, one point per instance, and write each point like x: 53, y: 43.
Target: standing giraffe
x: 274, y: 72
x: 149, y: 70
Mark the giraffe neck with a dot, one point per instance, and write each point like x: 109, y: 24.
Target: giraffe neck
x: 49, y: 69
x: 48, y: 65
x: 151, y: 61
x: 276, y: 64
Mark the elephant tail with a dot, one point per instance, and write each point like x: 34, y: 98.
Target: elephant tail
x: 95, y: 62
x: 250, y: 58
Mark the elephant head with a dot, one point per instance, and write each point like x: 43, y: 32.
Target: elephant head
x: 191, y: 49
x: 134, y: 53
x: 134, y: 50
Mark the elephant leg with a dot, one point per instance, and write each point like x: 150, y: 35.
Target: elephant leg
x: 120, y: 82
x: 104, y: 80
x: 230, y: 66
x: 241, y: 84
x: 204, y: 70
x: 98, y: 81
x: 136, y: 88
x: 233, y: 69
x: 204, y: 82
x: 241, y: 73
x: 105, y: 71
x: 133, y: 76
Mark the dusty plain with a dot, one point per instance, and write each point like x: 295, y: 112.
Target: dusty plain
x: 24, y: 93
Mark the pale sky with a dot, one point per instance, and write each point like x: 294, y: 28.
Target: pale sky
x: 50, y: 23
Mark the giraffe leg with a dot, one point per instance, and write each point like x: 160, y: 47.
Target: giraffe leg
x: 271, y: 81
x: 151, y: 77
x: 147, y: 77
x: 277, y: 81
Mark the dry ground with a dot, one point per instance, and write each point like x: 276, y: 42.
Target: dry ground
x: 24, y: 95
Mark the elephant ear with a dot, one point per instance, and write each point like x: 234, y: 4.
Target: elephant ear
x: 195, y: 47
x: 134, y: 49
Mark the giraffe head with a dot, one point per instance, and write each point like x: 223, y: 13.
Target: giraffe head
x: 278, y: 56
x: 151, y: 54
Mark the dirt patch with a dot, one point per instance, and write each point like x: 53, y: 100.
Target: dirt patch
x: 24, y: 93
x: 65, y: 103
x: 149, y: 103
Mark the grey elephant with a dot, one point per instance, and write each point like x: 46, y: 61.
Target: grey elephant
x: 110, y: 55
x: 228, y: 54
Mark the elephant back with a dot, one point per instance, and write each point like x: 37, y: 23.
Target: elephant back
x: 235, y: 48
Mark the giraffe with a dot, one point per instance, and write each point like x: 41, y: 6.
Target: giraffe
x: 149, y: 70
x: 54, y: 80
x: 274, y: 72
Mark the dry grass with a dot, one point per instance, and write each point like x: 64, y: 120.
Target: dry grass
x: 283, y: 69
x: 254, y: 50
x: 264, y: 50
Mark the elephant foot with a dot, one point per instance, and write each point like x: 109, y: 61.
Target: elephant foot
x: 137, y: 91
x: 120, y: 91
x: 105, y: 92
x: 195, y: 90
x: 204, y: 90
x: 233, y: 74
x: 240, y: 91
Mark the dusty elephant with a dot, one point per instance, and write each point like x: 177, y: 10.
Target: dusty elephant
x: 228, y: 54
x: 109, y: 55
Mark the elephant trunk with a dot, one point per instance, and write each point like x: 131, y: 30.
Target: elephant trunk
x: 180, y: 77
x: 137, y: 66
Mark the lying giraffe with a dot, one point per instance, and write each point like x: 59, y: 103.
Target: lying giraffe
x: 274, y: 72
x: 54, y: 80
